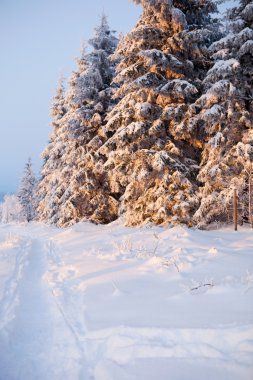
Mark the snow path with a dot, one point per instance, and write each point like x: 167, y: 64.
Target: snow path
x: 30, y: 310
x: 9, y: 300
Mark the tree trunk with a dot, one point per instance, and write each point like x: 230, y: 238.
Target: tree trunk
x: 235, y: 210
x: 250, y: 199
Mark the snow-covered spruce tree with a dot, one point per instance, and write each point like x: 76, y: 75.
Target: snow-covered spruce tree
x: 50, y: 188
x: 26, y: 192
x: 88, y: 99
x: 11, y: 210
x: 225, y: 114
x: 151, y: 166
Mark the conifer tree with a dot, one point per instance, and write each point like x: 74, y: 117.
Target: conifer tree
x: 225, y: 112
x: 88, y: 99
x: 152, y: 164
x: 11, y: 210
x: 50, y: 189
x: 26, y: 192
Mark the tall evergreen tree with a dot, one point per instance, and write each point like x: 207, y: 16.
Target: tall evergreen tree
x: 151, y: 164
x: 26, y: 192
x: 88, y: 99
x: 50, y: 189
x: 225, y: 113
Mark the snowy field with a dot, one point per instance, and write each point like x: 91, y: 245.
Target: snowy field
x: 115, y: 303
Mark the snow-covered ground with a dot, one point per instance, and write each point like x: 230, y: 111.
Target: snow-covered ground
x: 116, y: 303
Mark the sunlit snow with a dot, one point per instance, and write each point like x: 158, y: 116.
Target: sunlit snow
x: 117, y: 303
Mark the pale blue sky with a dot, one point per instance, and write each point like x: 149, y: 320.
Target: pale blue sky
x: 39, y: 40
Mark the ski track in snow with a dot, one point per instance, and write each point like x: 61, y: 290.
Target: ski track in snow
x: 69, y: 310
x: 28, y: 309
x: 10, y: 296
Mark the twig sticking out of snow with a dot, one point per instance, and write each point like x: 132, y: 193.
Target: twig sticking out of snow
x: 172, y: 262
x: 201, y: 286
x: 117, y: 291
x: 249, y: 281
x: 157, y: 243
